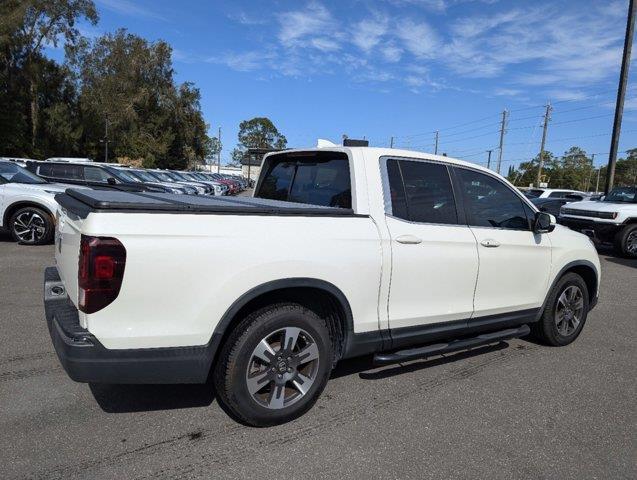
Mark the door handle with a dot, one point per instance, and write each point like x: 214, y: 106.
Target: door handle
x: 490, y: 243
x: 408, y: 239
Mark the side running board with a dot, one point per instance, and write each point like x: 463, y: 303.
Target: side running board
x: 453, y: 346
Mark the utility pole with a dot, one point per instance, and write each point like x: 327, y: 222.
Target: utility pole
x: 502, y: 131
x: 489, y: 159
x: 391, y: 142
x: 621, y: 95
x: 436, y: 143
x: 547, y: 117
x: 219, y: 151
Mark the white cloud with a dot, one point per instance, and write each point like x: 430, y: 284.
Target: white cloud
x: 368, y: 32
x: 418, y: 37
x: 245, y: 61
x: 246, y: 19
x: 391, y: 53
x: 303, y: 27
x: 130, y: 9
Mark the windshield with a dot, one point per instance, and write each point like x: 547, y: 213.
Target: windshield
x: 163, y: 176
x: 126, y: 176
x: 622, y: 194
x: 16, y: 174
x: 180, y: 176
x: 143, y: 175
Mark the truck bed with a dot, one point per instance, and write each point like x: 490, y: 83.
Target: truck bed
x: 83, y: 202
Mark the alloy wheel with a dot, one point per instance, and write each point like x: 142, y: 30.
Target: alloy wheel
x: 282, y: 368
x: 569, y: 310
x: 29, y: 226
x: 631, y: 243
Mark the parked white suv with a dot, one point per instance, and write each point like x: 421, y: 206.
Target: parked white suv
x: 344, y: 252
x: 27, y: 204
x: 551, y: 193
x: 612, y: 220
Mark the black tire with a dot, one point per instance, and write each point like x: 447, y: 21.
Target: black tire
x: 547, y: 329
x: 625, y: 241
x: 36, y: 222
x: 236, y: 359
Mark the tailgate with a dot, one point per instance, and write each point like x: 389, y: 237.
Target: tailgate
x: 67, y: 251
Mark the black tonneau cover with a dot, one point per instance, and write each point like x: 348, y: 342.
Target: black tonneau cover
x: 83, y: 202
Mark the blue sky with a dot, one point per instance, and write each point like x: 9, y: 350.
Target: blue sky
x: 401, y: 68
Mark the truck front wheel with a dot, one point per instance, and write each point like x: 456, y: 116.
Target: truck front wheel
x: 626, y: 241
x: 274, y: 365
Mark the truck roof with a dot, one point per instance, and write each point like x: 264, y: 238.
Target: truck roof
x: 387, y: 152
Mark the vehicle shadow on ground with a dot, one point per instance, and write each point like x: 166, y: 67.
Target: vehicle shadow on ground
x: 5, y: 237
x: 145, y: 398
x: 626, y: 262
x: 367, y: 370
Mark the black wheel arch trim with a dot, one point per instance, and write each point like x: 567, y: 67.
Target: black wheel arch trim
x: 11, y: 209
x: 576, y: 263
x: 295, y: 282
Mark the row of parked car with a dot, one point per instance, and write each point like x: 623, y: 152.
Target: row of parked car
x: 28, y: 187
x: 607, y: 219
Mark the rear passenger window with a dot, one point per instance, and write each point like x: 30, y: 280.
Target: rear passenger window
x: 490, y: 203
x: 66, y: 171
x: 421, y: 192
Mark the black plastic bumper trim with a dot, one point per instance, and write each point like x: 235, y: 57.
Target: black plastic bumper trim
x: 86, y: 360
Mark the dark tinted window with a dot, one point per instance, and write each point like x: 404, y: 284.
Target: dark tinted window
x: 317, y: 179
x: 397, y: 190
x: 66, y: 171
x: 427, y: 191
x: 491, y: 203
x: 276, y: 183
x: 95, y: 174
x: 558, y: 194
x: 45, y: 170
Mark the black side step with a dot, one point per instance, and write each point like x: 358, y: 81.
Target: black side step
x: 453, y: 346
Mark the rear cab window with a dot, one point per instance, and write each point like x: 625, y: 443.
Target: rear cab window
x: 315, y: 178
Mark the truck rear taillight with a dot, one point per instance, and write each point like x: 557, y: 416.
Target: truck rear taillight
x: 100, y: 272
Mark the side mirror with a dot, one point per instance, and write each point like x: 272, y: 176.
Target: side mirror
x: 544, y: 223
x: 111, y: 181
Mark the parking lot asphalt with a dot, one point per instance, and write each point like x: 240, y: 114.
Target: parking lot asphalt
x: 515, y: 410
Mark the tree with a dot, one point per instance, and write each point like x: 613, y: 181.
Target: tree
x: 576, y: 170
x: 528, y: 170
x: 32, y: 24
x: 258, y: 132
x: 129, y: 82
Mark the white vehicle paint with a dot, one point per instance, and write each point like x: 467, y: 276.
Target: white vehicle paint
x: 405, y: 281
x: 20, y: 189
x: 553, y: 192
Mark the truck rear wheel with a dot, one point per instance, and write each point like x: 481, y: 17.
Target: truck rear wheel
x: 626, y: 241
x: 274, y: 365
x: 565, y: 312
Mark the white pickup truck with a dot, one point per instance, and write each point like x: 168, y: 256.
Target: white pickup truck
x: 341, y: 252
x: 612, y: 220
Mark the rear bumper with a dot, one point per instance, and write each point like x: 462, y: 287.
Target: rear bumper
x: 85, y: 359
x: 598, y: 231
